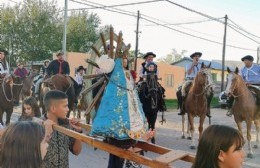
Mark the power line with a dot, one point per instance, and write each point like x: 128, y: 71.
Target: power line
x: 83, y: 3
x: 243, y: 34
x: 194, y: 11
x: 117, y: 5
x: 151, y: 21
x: 202, y: 38
x: 242, y: 29
x: 208, y: 16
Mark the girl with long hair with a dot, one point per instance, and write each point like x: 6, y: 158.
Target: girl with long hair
x: 220, y: 146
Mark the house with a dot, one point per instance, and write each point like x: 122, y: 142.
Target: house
x: 216, y: 67
x: 171, y: 77
x: 75, y: 59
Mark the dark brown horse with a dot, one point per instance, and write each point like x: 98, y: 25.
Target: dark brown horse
x: 9, y: 89
x: 196, y: 102
x: 64, y: 84
x: 245, y: 106
x: 27, y: 84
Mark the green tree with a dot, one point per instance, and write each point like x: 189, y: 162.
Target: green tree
x: 82, y: 31
x: 173, y: 56
x: 32, y: 30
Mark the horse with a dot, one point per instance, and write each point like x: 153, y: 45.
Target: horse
x: 62, y: 83
x: 245, y: 107
x: 151, y: 97
x: 196, y: 102
x: 10, y: 87
x: 28, y: 82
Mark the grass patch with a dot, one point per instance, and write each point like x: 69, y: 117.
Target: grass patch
x: 173, y: 104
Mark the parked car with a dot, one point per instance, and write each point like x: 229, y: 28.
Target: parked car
x: 223, y: 100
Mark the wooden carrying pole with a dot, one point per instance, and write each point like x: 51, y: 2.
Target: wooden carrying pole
x: 166, y: 157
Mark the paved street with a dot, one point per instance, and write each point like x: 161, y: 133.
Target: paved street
x: 168, y: 135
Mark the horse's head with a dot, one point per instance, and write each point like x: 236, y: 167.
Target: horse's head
x: 232, y: 81
x: 33, y: 73
x: 204, y: 77
x: 8, y: 80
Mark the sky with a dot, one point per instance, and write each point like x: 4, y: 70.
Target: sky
x: 161, y: 40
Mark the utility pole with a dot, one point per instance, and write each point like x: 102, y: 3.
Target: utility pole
x: 136, y: 43
x: 223, y: 54
x: 65, y: 29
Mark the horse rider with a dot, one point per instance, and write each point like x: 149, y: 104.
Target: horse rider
x: 43, y: 73
x: 4, y: 68
x: 250, y: 74
x: 149, y: 56
x: 20, y: 71
x: 191, y: 72
x: 58, y: 66
x: 79, y: 77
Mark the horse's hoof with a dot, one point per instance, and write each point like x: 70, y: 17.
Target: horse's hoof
x: 250, y: 155
x: 183, y: 137
x: 192, y: 147
x: 189, y: 138
x: 255, y: 146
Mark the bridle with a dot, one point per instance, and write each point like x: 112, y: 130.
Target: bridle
x: 3, y: 87
x: 232, y: 91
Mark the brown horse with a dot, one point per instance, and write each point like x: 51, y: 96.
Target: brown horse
x: 244, y: 107
x: 27, y: 84
x: 64, y: 84
x: 196, y: 101
x: 9, y: 89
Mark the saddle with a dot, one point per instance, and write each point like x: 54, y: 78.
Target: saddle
x: 255, y: 90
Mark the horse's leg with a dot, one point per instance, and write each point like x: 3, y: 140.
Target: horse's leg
x: 188, y: 130
x: 257, y: 133
x: 154, y: 117
x: 183, y: 122
x: 8, y: 116
x: 202, y: 118
x: 250, y: 152
x: 191, y: 122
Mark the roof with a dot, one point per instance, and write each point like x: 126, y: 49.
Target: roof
x: 214, y: 64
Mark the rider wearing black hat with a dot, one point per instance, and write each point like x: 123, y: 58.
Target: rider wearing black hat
x: 148, y: 58
x: 4, y: 69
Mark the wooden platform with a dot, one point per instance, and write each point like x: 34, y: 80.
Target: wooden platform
x: 165, y: 158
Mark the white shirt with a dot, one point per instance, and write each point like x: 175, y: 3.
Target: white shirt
x: 2, y: 70
x: 79, y: 78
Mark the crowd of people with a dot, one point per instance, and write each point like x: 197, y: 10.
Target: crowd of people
x: 41, y: 146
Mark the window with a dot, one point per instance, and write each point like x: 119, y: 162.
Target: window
x: 214, y: 77
x: 169, y: 80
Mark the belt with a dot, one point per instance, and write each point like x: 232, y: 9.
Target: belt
x: 189, y: 78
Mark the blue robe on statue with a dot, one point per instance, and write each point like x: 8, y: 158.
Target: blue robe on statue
x: 120, y: 113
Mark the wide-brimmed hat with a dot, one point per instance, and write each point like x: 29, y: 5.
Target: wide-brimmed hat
x: 3, y: 50
x: 196, y: 53
x: 247, y: 57
x: 59, y: 54
x: 47, y: 60
x: 149, y: 53
x: 81, y: 68
x: 19, y: 61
